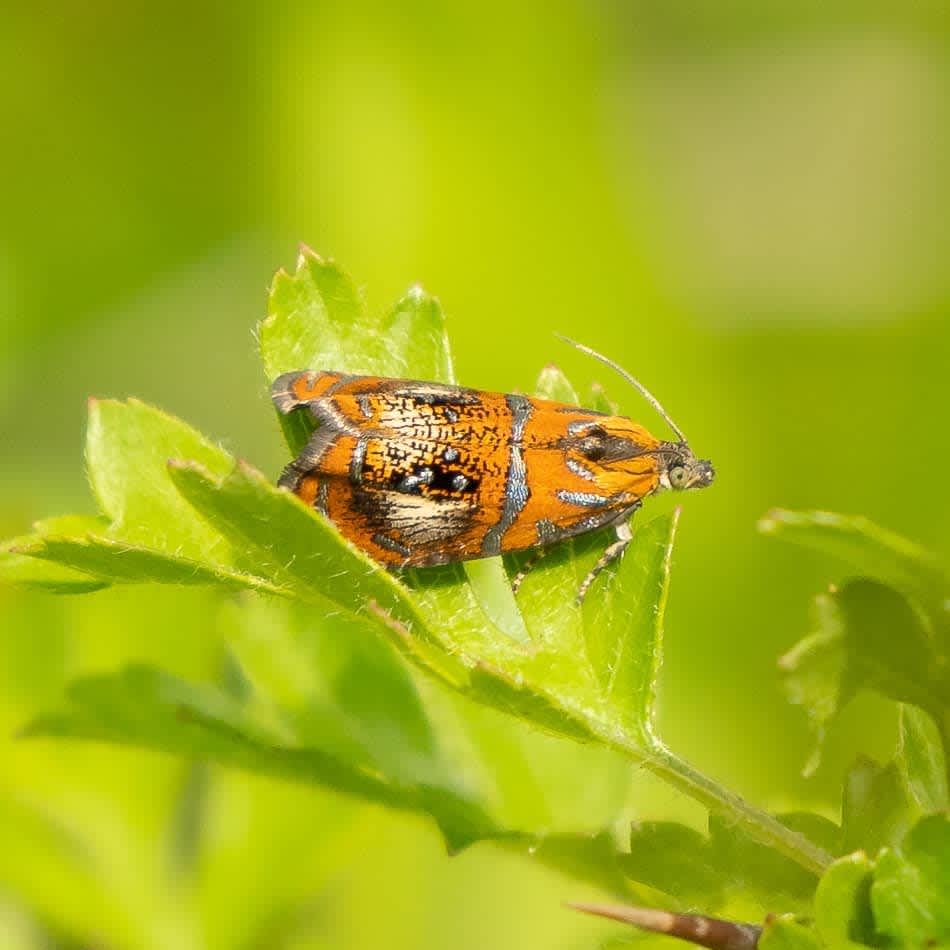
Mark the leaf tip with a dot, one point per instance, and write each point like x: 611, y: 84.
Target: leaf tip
x: 94, y: 407
x: 180, y: 470
x: 599, y: 396
x: 281, y: 276
x: 177, y: 466
x: 307, y: 257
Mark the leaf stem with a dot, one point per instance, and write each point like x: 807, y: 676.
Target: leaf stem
x: 758, y: 824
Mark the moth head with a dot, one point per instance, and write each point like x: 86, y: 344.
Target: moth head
x: 680, y: 470
x: 675, y: 465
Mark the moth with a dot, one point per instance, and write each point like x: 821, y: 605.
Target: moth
x: 419, y: 473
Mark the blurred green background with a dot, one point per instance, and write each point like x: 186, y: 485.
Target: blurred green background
x: 744, y: 205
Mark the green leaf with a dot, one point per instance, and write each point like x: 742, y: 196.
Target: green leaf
x: 316, y: 317
x: 921, y: 759
x: 150, y: 533
x: 899, y: 900
x: 624, y: 642
x: 128, y: 447
x: 599, y: 400
x: 754, y: 867
x: 287, y: 540
x: 876, y: 810
x: 871, y: 551
x: 587, y: 857
x: 706, y: 870
x: 888, y: 648
x: 527, y: 700
x: 316, y: 320
x: 785, y: 933
x: 592, y: 669
x: 105, y: 561
x: 415, y: 334
x: 303, y: 553
x: 843, y: 914
x: 553, y: 384
x: 609, y: 689
x: 868, y: 637
x: 335, y: 685
x: 911, y: 890
x: 888, y: 629
x: 145, y: 707
x: 881, y: 803
x: 459, y: 617
x: 24, y: 570
x: 355, y: 724
x: 491, y: 589
x: 677, y: 860
x: 19, y: 569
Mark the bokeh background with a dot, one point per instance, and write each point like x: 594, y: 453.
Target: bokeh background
x: 744, y: 204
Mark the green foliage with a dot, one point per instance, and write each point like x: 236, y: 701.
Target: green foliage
x: 725, y: 864
x: 898, y: 899
x: 317, y: 636
x: 885, y: 629
x: 145, y: 707
x: 911, y: 884
x: 783, y: 933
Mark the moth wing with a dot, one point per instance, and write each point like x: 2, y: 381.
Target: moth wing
x: 360, y: 400
x: 409, y: 471
x: 407, y: 501
x: 563, y: 504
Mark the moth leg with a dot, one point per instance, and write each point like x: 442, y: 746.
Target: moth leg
x: 528, y: 566
x: 624, y: 536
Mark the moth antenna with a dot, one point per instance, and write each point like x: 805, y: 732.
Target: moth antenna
x: 650, y: 398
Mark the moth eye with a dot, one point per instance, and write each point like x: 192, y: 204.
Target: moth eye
x: 678, y: 476
x: 594, y: 444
